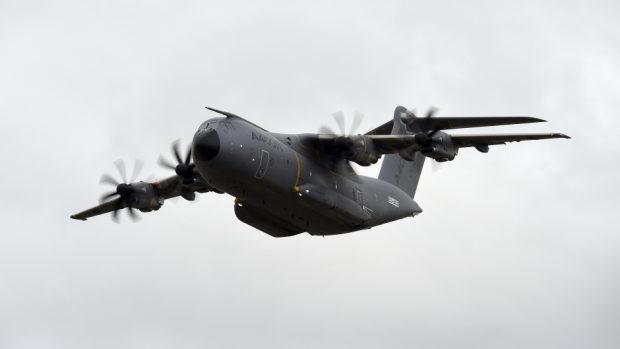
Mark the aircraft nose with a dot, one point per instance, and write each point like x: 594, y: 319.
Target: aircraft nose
x: 206, y: 145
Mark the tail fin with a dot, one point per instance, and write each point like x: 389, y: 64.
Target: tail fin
x: 397, y: 171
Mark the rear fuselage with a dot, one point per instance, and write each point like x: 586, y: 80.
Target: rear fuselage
x: 284, y: 187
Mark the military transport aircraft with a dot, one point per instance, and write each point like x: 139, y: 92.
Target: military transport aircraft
x: 286, y: 184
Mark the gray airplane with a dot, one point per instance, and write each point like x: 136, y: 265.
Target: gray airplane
x: 286, y: 184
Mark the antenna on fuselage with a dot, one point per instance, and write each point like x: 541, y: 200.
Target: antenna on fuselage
x: 227, y: 114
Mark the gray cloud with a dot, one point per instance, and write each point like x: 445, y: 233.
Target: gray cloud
x: 515, y: 248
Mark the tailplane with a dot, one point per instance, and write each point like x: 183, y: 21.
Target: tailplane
x: 396, y: 170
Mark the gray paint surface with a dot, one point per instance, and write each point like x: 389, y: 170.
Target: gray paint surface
x: 516, y: 248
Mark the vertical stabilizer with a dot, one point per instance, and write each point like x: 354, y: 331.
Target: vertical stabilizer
x: 398, y: 171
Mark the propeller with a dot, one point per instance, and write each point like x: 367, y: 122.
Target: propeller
x: 184, y: 168
x: 342, y: 137
x: 124, y: 190
x: 423, y: 132
x: 421, y: 125
x: 436, y: 166
x: 340, y: 121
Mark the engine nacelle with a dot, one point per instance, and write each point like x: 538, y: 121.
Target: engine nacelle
x: 441, y: 147
x: 144, y: 197
x: 361, y: 150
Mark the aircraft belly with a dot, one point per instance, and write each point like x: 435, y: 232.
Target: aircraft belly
x: 287, y: 210
x: 319, y: 210
x: 332, y: 204
x: 265, y: 221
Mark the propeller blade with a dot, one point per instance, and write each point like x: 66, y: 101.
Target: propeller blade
x: 164, y: 163
x: 117, y: 207
x: 326, y: 130
x: 339, y: 117
x: 345, y: 166
x: 431, y: 112
x: 132, y: 214
x: 436, y: 166
x: 357, y: 120
x: 419, y: 125
x: 120, y: 165
x: 188, y: 157
x: 137, y: 167
x: 106, y: 178
x: 175, y: 151
x: 107, y: 196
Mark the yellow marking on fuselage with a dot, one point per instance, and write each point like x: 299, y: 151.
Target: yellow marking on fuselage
x: 296, y: 187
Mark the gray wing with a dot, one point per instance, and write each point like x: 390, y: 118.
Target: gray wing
x: 454, y: 122
x: 164, y: 189
x: 105, y: 207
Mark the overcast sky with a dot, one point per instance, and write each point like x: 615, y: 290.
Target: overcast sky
x: 517, y: 248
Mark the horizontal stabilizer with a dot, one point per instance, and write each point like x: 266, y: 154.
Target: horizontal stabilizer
x: 462, y: 141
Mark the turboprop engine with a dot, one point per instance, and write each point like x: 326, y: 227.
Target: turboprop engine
x: 360, y: 149
x: 438, y: 146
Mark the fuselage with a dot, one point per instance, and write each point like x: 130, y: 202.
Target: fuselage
x: 284, y: 186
